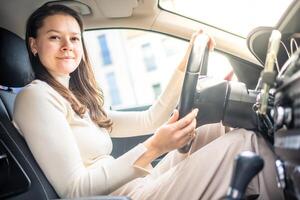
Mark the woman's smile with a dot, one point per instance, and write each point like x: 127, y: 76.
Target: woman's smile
x: 58, y: 44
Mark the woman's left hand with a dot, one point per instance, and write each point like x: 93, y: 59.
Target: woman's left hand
x: 211, y: 45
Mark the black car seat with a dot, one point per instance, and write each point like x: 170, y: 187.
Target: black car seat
x: 15, y: 71
x: 20, y: 175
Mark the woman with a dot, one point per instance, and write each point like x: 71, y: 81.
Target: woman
x: 70, y: 136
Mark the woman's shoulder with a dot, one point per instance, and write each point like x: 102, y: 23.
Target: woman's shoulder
x: 35, y: 85
x: 34, y: 89
x: 39, y: 91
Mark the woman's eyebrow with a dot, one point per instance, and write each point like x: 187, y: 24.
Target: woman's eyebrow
x: 53, y: 30
x: 57, y: 31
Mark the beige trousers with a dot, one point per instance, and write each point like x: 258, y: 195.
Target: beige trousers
x: 205, y: 172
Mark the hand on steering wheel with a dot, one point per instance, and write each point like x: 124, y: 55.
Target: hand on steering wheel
x: 197, y: 64
x: 211, y: 45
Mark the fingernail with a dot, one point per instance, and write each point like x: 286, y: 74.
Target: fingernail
x: 196, y: 112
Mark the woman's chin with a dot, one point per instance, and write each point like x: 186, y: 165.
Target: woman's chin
x: 67, y: 69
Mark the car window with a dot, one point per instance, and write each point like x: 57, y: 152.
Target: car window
x: 223, y: 14
x: 133, y: 67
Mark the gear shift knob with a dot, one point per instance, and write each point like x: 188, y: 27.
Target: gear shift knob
x: 247, y: 165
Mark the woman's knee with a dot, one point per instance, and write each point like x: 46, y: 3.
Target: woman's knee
x: 208, y: 133
x: 241, y: 138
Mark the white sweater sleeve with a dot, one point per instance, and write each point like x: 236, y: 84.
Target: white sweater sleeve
x: 135, y: 123
x: 41, y: 117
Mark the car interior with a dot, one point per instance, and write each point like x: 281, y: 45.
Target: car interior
x: 20, y: 175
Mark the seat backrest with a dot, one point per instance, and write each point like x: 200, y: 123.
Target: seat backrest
x: 8, y: 97
x: 25, y: 179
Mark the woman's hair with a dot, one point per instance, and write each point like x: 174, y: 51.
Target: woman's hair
x: 83, y: 92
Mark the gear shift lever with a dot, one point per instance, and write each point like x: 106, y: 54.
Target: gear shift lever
x: 247, y: 165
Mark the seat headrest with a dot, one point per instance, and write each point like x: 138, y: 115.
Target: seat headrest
x: 15, y: 67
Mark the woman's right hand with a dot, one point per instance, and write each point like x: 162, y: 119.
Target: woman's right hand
x: 174, y: 134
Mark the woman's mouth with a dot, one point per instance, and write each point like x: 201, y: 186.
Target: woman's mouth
x: 66, y: 58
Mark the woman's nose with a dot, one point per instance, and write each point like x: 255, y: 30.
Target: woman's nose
x: 67, y: 45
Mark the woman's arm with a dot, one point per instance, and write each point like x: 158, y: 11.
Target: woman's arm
x: 134, y: 123
x: 137, y: 123
x: 41, y: 116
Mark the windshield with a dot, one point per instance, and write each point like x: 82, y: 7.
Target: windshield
x: 236, y: 16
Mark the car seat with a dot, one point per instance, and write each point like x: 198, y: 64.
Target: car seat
x: 20, y: 175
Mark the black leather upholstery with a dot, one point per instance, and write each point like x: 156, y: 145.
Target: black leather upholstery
x: 16, y: 71
x: 8, y: 98
x: 15, y: 68
x: 39, y: 187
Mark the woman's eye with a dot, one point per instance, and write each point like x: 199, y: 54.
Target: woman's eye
x: 54, y: 37
x: 75, y: 39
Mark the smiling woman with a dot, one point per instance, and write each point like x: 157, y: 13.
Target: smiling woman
x: 65, y: 94
x: 55, y: 115
x: 66, y: 106
x: 58, y: 45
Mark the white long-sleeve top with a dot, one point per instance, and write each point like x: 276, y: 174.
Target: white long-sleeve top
x: 73, y: 152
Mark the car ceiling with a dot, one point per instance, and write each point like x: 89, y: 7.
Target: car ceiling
x: 142, y: 14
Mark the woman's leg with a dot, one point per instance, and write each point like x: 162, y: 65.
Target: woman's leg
x: 204, y: 135
x: 205, y: 174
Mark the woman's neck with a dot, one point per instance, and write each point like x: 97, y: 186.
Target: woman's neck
x: 62, y: 79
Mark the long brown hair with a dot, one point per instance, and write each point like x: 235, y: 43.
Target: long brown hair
x: 83, y: 92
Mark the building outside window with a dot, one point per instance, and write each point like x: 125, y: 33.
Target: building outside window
x: 149, y: 58
x: 129, y: 81
x: 169, y: 46
x: 113, y: 89
x: 105, y: 53
x: 156, y: 89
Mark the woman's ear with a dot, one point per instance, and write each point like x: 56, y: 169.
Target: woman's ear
x: 33, y: 46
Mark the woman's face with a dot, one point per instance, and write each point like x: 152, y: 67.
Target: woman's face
x: 58, y: 44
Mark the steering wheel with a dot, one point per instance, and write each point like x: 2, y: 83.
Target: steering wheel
x: 197, y: 65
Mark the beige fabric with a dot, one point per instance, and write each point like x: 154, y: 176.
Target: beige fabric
x: 205, y: 172
x: 73, y: 152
